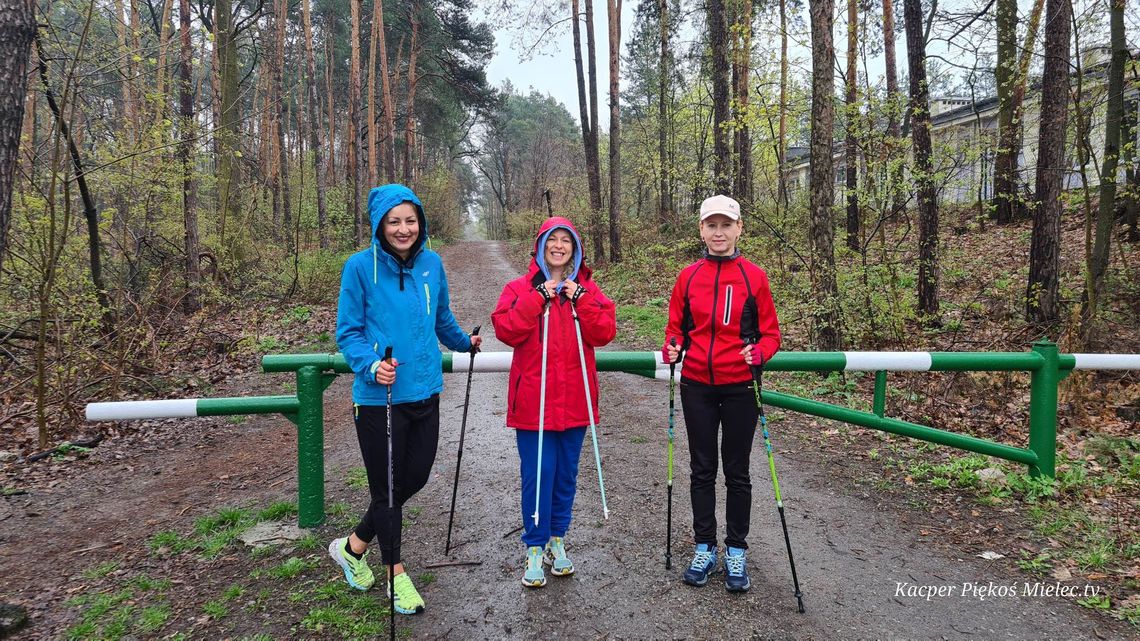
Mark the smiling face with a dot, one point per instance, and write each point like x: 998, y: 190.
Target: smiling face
x: 401, y: 227
x: 559, y: 251
x: 719, y: 233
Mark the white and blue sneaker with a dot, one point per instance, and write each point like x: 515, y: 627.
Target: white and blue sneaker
x: 555, y: 557
x: 704, y: 564
x: 736, y: 576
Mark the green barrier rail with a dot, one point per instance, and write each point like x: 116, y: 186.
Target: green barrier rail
x: 315, y: 372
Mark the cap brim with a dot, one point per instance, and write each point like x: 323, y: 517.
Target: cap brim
x: 730, y: 214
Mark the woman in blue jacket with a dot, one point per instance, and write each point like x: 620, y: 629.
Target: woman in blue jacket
x: 394, y: 294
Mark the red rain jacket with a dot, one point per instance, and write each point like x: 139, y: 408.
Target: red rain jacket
x: 518, y: 322
x: 719, y: 304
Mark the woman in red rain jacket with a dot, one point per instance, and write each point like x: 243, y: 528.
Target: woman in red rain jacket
x: 559, y: 279
x: 722, y: 317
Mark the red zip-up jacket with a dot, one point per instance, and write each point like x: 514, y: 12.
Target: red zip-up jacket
x: 518, y: 322
x: 720, y: 304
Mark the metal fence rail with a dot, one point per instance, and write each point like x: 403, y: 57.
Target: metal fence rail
x: 315, y: 372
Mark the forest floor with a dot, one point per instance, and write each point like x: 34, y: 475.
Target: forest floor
x: 892, y: 539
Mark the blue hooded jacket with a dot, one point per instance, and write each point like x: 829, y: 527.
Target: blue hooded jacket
x: 385, y: 301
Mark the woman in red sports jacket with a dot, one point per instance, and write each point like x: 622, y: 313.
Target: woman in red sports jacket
x: 558, y: 278
x: 723, y: 320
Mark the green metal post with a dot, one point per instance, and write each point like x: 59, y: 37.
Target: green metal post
x: 310, y: 447
x: 880, y: 403
x: 1043, y: 409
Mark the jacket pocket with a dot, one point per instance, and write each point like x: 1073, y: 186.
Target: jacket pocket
x: 515, y: 395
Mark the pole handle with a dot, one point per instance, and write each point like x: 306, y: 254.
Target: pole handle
x: 388, y: 353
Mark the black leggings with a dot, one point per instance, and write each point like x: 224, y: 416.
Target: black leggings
x: 415, y: 437
x: 708, y: 409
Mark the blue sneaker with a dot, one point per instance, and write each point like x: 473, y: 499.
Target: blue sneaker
x: 704, y: 564
x: 736, y: 579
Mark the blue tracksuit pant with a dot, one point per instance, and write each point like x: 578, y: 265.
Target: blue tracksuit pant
x: 560, y: 454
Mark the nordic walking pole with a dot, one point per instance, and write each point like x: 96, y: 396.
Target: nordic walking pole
x: 669, y: 474
x: 462, y: 432
x: 541, y: 410
x: 775, y: 482
x: 590, y: 407
x: 391, y: 507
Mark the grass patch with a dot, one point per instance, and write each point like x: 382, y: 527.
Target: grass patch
x: 290, y: 568
x: 646, y: 322
x: 278, y: 511
x: 357, y: 478
x: 310, y: 542
x: 101, y: 570
x: 216, y: 610
x: 137, y: 608
x: 345, y: 613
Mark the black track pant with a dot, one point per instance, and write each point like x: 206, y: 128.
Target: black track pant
x: 708, y: 409
x: 415, y: 436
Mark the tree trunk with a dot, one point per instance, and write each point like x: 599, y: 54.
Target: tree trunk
x: 923, y: 167
x: 17, y: 28
x: 782, y: 136
x: 589, y: 121
x: 410, y: 116
x: 894, y: 108
x: 1131, y: 204
x: 665, y: 216
x: 160, y: 111
x: 373, y: 47
x: 331, y: 168
x: 821, y: 238
x: 718, y: 40
x: 1098, y: 260
x: 388, y: 139
x: 1005, y: 161
x: 593, y: 162
x: 191, y: 302
x: 358, y: 223
x: 1041, y: 304
x: 314, y: 105
x: 228, y: 133
x: 90, y: 211
x: 614, y: 22
x: 850, y: 159
x: 742, y: 139
x: 280, y: 21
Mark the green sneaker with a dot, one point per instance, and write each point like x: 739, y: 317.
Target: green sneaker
x: 533, y: 576
x: 356, y: 571
x: 555, y: 557
x: 408, y: 600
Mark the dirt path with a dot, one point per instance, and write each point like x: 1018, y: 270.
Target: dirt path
x: 852, y: 550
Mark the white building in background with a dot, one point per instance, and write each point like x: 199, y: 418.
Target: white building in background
x: 964, y: 136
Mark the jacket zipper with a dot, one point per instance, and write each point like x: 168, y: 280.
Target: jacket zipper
x: 427, y: 298
x: 712, y: 335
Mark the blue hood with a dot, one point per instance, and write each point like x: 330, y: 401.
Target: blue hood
x: 547, y: 228
x: 381, y: 200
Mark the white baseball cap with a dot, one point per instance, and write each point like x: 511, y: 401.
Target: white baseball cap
x: 720, y: 204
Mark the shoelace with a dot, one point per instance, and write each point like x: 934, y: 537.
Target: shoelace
x: 735, y: 565
x: 701, y: 560
x: 402, y: 586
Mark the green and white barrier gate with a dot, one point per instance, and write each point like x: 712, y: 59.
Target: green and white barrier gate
x: 315, y: 372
